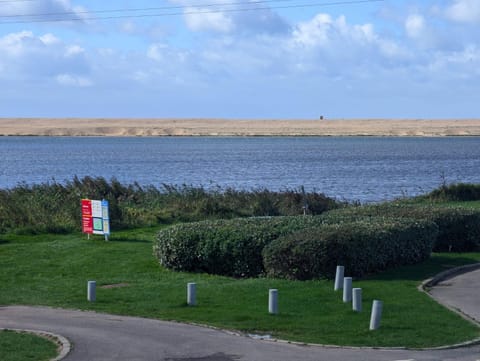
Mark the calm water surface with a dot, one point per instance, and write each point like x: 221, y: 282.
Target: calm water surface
x: 353, y: 168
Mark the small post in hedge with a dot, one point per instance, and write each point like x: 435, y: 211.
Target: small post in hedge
x: 339, y: 277
x: 191, y: 294
x: 357, y: 300
x: 347, y: 289
x: 91, y: 291
x: 376, y: 315
x: 273, y: 301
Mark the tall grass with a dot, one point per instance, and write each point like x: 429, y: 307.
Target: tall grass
x: 461, y: 192
x: 54, y: 207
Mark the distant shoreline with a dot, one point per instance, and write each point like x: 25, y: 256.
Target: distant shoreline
x: 124, y: 127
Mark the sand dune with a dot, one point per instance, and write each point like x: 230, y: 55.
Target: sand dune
x: 239, y: 127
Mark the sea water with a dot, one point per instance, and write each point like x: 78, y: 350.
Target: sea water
x: 365, y: 169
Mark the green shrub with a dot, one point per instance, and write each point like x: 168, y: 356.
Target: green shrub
x: 363, y: 247
x: 455, y: 192
x: 227, y: 247
x: 459, y: 228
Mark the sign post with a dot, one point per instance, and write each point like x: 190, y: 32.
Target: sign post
x: 95, y: 217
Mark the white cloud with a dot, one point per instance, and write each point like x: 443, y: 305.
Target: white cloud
x: 156, y: 52
x: 314, y: 32
x: 73, y: 50
x: 73, y: 80
x: 198, y: 19
x: 465, y: 11
x: 41, y: 10
x: 14, y: 44
x: 339, y: 44
x: 49, y: 39
x: 37, y: 58
x: 415, y: 25
x: 323, y: 31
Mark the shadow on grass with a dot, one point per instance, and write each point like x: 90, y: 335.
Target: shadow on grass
x: 128, y: 239
x: 429, y: 268
x: 3, y: 241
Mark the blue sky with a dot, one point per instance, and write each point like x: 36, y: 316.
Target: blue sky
x: 392, y: 58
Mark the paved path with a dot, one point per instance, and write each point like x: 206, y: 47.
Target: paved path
x: 102, y: 337
x: 461, y: 293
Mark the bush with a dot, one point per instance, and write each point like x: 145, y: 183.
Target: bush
x: 455, y: 192
x: 226, y: 247
x: 363, y: 247
x: 459, y: 228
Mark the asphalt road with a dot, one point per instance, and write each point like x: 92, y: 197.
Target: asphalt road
x: 102, y: 337
x: 461, y: 293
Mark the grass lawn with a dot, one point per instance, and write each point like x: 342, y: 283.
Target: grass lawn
x: 53, y: 270
x: 22, y: 347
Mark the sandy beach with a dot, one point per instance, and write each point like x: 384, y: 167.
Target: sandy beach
x: 237, y: 127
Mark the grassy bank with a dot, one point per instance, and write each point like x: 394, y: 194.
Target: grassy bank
x: 23, y: 347
x: 53, y: 270
x: 55, y: 207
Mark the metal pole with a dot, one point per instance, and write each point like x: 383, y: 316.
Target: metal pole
x: 273, y: 301
x: 357, y: 300
x: 191, y: 294
x: 91, y: 291
x: 376, y: 315
x: 339, y: 278
x: 347, y: 289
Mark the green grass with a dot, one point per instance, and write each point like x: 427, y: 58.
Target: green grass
x: 53, y: 270
x: 16, y: 346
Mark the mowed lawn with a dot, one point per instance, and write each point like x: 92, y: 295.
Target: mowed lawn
x: 53, y: 270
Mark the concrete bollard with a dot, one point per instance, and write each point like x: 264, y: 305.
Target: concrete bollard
x: 192, y: 294
x: 376, y: 315
x: 357, y: 300
x: 91, y: 291
x: 347, y: 289
x: 273, y: 301
x: 339, y: 278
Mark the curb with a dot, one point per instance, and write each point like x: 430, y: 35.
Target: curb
x: 62, y: 342
x: 445, y: 275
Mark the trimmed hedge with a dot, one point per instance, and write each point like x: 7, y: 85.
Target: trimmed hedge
x: 459, y: 228
x: 227, y: 247
x: 365, y: 239
x: 363, y: 247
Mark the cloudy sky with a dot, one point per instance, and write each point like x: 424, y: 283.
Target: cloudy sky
x: 240, y: 58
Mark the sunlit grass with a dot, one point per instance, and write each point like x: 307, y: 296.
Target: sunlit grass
x: 53, y: 270
x: 16, y: 346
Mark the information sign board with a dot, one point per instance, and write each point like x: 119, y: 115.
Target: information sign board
x: 95, y: 217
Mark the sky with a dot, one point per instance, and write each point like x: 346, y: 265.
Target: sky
x: 284, y: 59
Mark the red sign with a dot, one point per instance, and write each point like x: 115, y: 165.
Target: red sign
x: 86, y: 208
x: 87, y: 220
x: 87, y: 224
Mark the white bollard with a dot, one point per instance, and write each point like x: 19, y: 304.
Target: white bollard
x: 357, y: 300
x: 376, y: 315
x: 339, y: 277
x: 91, y: 291
x: 273, y: 301
x: 191, y: 294
x: 347, y: 289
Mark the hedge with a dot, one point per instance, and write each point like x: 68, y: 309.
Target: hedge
x: 363, y: 247
x: 459, y: 228
x: 227, y: 247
